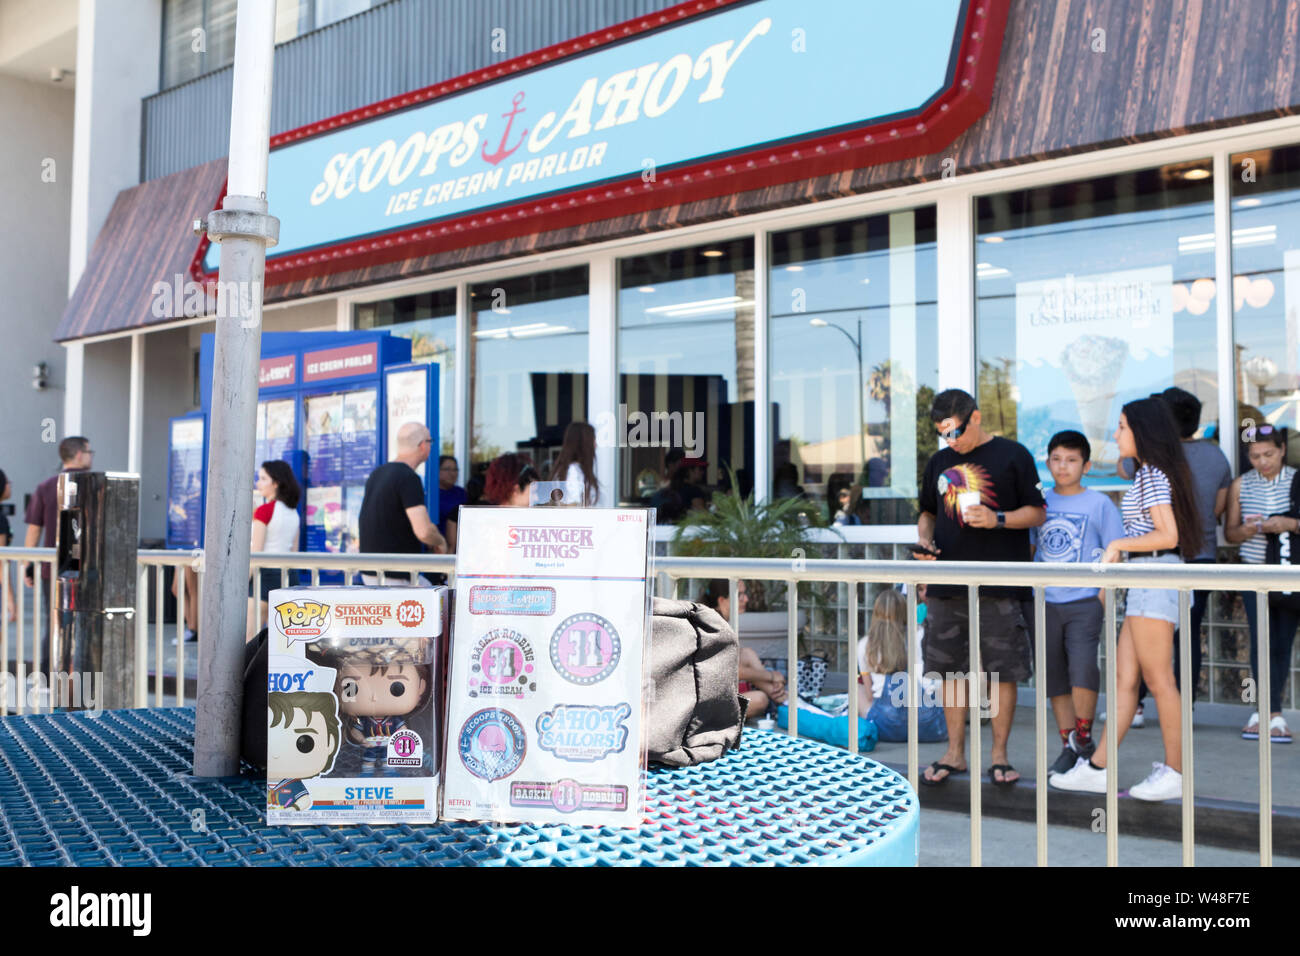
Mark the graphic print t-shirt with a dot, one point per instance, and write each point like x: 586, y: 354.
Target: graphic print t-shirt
x: 1077, y: 530
x: 1004, y: 474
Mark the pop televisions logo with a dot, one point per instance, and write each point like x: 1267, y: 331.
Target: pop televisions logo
x: 302, y: 619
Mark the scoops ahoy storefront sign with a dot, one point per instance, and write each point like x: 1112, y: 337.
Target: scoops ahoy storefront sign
x: 702, y: 100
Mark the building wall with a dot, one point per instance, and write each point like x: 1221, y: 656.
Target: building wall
x: 106, y: 386
x: 392, y: 49
x: 169, y: 376
x: 37, y: 120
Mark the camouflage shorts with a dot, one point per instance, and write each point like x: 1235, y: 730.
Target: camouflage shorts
x: 1004, y: 638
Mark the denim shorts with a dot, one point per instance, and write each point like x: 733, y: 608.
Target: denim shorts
x: 1154, y: 603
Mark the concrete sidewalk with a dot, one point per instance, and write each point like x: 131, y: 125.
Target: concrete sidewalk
x: 1227, y: 767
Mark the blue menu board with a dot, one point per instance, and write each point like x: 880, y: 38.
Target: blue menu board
x: 323, y: 421
x: 185, y: 483
x: 360, y: 434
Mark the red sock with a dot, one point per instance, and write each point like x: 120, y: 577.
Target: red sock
x: 1082, y: 729
x: 1065, y: 736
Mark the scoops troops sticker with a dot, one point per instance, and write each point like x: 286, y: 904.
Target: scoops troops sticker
x: 585, y: 649
x: 492, y: 744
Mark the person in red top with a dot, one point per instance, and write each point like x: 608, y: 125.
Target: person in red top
x: 43, y: 512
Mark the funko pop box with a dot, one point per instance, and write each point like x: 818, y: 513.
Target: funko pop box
x: 354, y: 698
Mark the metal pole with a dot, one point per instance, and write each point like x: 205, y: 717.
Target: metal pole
x: 1112, y: 734
x: 975, y: 738
x: 1188, y: 681
x: 862, y: 417
x: 244, y: 230
x: 913, y: 667
x: 1263, y: 698
x: 1040, y: 720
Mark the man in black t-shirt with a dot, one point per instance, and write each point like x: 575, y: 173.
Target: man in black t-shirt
x: 394, y: 518
x: 978, y: 500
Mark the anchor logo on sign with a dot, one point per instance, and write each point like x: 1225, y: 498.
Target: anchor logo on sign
x: 501, y: 151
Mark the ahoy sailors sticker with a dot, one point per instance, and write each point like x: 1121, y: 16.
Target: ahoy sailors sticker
x: 583, y: 734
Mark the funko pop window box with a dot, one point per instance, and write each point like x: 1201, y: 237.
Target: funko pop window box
x: 353, y: 700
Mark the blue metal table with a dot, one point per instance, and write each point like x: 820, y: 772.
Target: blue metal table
x: 117, y: 789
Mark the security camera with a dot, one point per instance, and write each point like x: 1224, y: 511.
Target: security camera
x: 57, y: 74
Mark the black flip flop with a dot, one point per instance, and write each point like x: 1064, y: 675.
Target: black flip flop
x: 952, y: 771
x: 1004, y: 767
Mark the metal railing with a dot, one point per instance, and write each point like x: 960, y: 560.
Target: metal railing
x: 18, y: 692
x: 672, y: 571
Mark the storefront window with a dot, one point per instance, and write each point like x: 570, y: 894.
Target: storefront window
x: 1092, y: 294
x: 429, y: 321
x: 686, y: 372
x: 1266, y: 293
x: 528, y: 365
x: 854, y: 362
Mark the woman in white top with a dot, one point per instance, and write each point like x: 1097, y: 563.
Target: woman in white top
x: 1161, y: 526
x: 1257, y: 503
x: 576, y: 465
x: 275, y: 529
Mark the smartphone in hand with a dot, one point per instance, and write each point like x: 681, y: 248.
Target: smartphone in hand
x: 922, y: 549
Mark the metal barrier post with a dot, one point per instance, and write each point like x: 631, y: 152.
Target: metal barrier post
x: 1263, y: 697
x: 792, y: 653
x: 913, y: 727
x: 37, y: 634
x: 158, y: 668
x: 20, y: 668
x: 141, y: 636
x: 1112, y: 743
x: 1040, y: 721
x: 853, y: 658
x: 180, y: 630
x: 1188, y: 682
x: 975, y: 738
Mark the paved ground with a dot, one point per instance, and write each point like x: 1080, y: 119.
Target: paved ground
x: 945, y: 841
x: 1227, y: 767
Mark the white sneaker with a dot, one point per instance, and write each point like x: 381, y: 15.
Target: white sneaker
x: 1164, y: 783
x: 1138, y: 717
x: 1081, y: 777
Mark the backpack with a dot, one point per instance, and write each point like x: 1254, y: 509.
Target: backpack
x: 694, y: 713
x: 1285, y: 549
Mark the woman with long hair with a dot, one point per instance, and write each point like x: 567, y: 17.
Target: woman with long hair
x: 576, y: 465
x: 1161, y: 525
x: 275, y: 529
x: 1258, y: 503
x: 883, y: 654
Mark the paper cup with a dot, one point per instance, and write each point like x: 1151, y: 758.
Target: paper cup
x: 968, y: 499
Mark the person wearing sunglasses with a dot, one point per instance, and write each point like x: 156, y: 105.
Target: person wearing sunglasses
x: 1257, y: 506
x: 979, y: 498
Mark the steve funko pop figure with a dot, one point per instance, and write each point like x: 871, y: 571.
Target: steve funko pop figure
x: 378, y: 688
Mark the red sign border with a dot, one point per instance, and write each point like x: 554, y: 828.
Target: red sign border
x: 948, y: 116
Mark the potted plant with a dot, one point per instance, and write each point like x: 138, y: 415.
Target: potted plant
x: 736, y: 527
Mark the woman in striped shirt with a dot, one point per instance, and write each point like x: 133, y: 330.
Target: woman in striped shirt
x: 1257, y: 503
x: 1161, y: 525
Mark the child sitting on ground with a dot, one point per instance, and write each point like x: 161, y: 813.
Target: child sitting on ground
x: 883, y: 654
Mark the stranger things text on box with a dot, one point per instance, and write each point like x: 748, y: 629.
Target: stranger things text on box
x: 545, y: 702
x: 352, y: 709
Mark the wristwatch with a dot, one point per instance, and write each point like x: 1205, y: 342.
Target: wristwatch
x: 1002, y: 519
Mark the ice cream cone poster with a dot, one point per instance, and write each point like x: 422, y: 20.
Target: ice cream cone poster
x: 1085, y: 345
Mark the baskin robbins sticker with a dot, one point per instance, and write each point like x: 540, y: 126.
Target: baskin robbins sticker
x: 568, y: 796
x: 492, y: 744
x: 502, y: 665
x: 585, y: 649
x: 583, y: 734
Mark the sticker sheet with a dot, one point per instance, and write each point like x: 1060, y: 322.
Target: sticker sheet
x: 353, y: 698
x: 545, y: 696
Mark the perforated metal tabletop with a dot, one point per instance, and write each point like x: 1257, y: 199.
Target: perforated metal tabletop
x: 117, y: 790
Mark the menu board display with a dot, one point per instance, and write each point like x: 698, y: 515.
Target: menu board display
x: 545, y: 696
x: 185, y: 479
x: 323, y: 421
x: 360, y: 434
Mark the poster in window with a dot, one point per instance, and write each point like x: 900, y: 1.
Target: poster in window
x: 325, y: 518
x: 279, y: 428
x: 407, y: 401
x: 1085, y: 345
x: 323, y: 415
x: 185, y: 493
